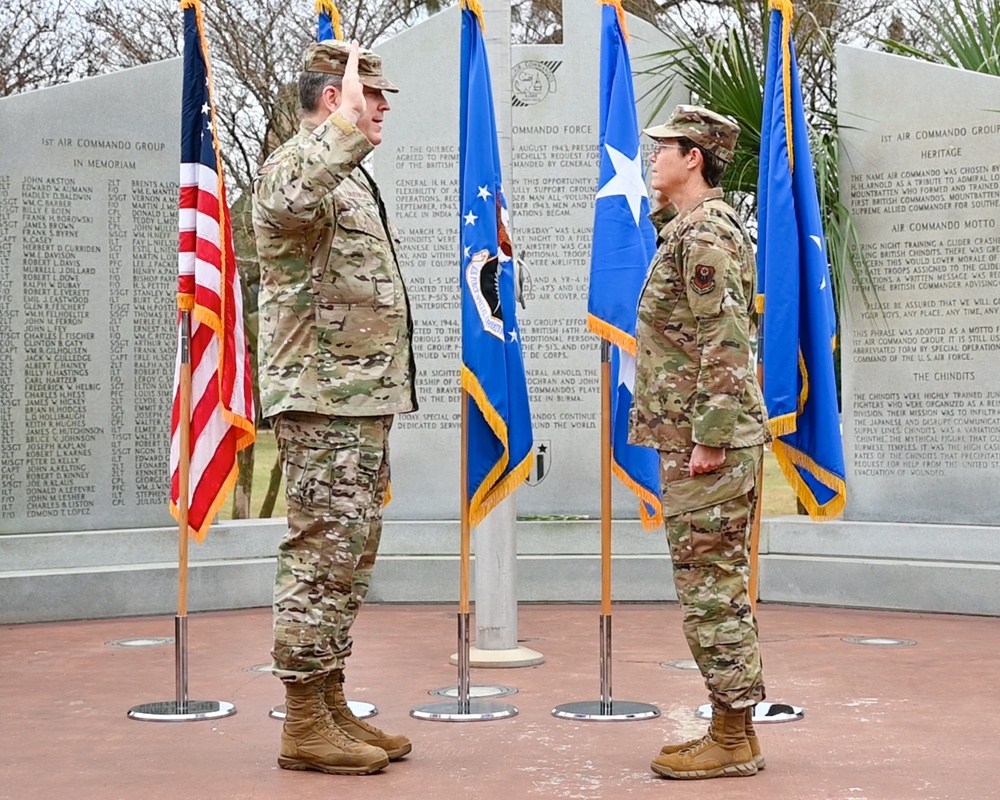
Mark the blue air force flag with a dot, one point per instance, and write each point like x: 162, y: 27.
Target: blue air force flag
x: 623, y: 246
x: 499, y: 422
x: 798, y: 325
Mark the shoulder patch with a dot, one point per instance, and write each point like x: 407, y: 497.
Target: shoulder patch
x: 703, y: 280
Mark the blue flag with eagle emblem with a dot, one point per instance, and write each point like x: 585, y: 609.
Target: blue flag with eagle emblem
x: 499, y: 421
x: 798, y: 325
x: 624, y: 243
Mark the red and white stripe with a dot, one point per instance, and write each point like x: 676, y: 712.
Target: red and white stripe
x: 222, y: 415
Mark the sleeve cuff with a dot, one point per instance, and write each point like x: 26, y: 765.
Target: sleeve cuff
x: 716, y: 426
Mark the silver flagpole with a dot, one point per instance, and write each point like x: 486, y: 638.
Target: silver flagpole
x: 605, y: 709
x: 181, y: 709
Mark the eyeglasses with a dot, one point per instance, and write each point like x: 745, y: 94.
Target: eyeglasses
x: 660, y: 146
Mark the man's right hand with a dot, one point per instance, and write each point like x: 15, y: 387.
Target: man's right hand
x: 352, y: 92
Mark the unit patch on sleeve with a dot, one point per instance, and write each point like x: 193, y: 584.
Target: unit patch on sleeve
x: 703, y: 280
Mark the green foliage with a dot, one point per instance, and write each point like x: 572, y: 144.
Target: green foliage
x: 725, y: 73
x: 966, y: 35
x: 721, y: 73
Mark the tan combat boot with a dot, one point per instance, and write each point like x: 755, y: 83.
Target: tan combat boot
x: 395, y: 746
x: 723, y: 753
x: 758, y: 759
x: 310, y: 739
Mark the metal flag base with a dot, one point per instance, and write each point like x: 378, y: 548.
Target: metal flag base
x: 474, y: 691
x: 615, y: 711
x: 172, y: 711
x: 606, y: 709
x: 762, y: 712
x: 358, y: 709
x: 469, y: 711
x: 463, y: 708
x: 182, y: 709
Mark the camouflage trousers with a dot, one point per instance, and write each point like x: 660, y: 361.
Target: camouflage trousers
x: 336, y: 474
x: 708, y: 519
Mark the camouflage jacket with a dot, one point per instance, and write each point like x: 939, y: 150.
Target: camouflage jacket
x: 335, y: 327
x: 694, y: 375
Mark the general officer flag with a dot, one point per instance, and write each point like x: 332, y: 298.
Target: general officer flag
x: 499, y: 422
x: 623, y: 246
x: 222, y: 413
x: 327, y: 21
x: 798, y: 324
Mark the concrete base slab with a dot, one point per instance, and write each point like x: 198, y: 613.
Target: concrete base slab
x: 877, y: 718
x: 101, y: 574
x: 888, y: 565
x: 501, y: 659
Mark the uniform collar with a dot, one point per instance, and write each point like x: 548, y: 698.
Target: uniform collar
x: 663, y: 219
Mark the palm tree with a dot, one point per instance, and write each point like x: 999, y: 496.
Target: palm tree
x: 966, y: 36
x: 725, y: 73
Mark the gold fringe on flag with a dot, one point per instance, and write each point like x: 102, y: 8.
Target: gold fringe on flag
x: 616, y: 336
x: 617, y: 5
x: 788, y: 459
x: 650, y: 522
x: 783, y: 425
x: 488, y: 496
x: 475, y: 8
x: 787, y: 12
x: 331, y: 9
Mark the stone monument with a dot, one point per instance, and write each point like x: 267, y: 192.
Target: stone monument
x: 88, y: 255
x: 920, y: 173
x: 551, y: 194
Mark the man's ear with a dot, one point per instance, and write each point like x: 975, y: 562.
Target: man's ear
x: 331, y: 97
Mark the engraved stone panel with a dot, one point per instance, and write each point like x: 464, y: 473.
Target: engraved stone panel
x: 551, y: 191
x: 921, y: 386
x: 88, y: 255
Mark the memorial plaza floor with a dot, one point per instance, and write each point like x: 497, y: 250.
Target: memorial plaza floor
x: 882, y: 721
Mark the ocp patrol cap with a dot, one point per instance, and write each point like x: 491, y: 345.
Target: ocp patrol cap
x: 330, y: 56
x: 713, y: 132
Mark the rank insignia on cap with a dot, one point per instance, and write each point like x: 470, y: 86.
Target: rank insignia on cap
x: 704, y: 278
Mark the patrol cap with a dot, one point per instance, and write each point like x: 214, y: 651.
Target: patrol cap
x: 711, y: 131
x: 330, y: 56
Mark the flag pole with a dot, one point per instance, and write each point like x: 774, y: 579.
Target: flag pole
x: 463, y: 708
x: 605, y: 709
x: 183, y: 501
x: 605, y: 622
x: 181, y: 709
x: 754, y: 587
x: 465, y: 557
x: 765, y: 711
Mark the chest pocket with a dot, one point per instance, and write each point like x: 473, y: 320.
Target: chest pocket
x: 663, y: 289
x: 360, y: 269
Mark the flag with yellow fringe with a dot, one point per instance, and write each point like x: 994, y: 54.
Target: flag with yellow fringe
x: 499, y: 421
x: 328, y: 22
x: 798, y: 325
x: 222, y: 413
x: 624, y: 243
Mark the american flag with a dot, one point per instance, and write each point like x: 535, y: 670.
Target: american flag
x: 222, y: 414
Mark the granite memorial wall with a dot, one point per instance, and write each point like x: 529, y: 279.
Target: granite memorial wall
x: 920, y: 174
x: 550, y: 191
x: 88, y: 272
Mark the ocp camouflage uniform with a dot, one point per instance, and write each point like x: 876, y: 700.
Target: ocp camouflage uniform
x: 335, y: 365
x: 695, y: 384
